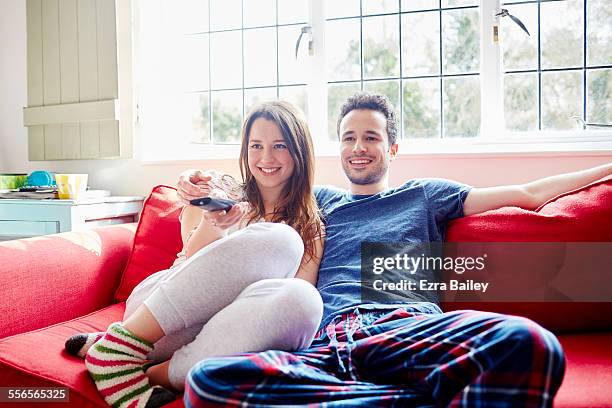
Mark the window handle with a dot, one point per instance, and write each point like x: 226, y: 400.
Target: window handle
x: 505, y: 13
x: 586, y: 125
x: 308, y: 31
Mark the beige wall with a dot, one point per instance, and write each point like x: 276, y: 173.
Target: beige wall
x: 129, y: 176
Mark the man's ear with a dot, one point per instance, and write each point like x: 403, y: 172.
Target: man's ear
x: 393, y: 151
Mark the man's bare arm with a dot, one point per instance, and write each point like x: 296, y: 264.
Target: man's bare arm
x: 531, y: 195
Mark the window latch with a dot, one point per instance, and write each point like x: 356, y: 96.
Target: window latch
x: 506, y: 13
x: 308, y: 31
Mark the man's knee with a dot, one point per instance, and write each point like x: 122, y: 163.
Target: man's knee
x: 531, y: 340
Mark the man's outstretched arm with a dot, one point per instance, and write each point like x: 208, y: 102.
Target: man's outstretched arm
x: 531, y: 195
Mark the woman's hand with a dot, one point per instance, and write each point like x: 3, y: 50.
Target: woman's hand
x: 192, y: 184
x: 225, y: 219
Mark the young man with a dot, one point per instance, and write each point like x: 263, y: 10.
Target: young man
x: 395, y: 354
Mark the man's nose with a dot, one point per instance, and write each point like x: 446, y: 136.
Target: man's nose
x: 358, y: 146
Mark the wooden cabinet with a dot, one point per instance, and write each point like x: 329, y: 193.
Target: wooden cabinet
x: 20, y: 218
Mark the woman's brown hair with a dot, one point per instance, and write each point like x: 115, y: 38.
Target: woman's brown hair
x: 297, y: 207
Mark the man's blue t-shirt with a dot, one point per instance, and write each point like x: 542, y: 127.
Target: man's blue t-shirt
x: 414, y: 212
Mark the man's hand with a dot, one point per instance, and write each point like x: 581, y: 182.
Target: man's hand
x: 192, y: 184
x: 225, y: 219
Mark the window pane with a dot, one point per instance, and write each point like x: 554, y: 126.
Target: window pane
x: 227, y: 116
x: 342, y: 50
x: 599, y: 32
x: 561, y: 99
x: 461, y: 105
x: 253, y: 97
x: 520, y: 50
x: 381, y: 47
x: 599, y: 102
x: 192, y: 14
x: 290, y: 69
x: 409, y: 5
x: 225, y: 14
x: 458, y: 3
x: 421, y: 44
x: 260, y: 57
x: 388, y: 88
x: 562, y: 39
x: 291, y: 11
x: 200, y: 122
x: 341, y: 8
x: 379, y: 6
x: 460, y: 41
x: 296, y: 95
x: 421, y: 108
x: 336, y: 96
x: 521, y: 101
x: 226, y: 60
x: 259, y: 13
x: 194, y: 63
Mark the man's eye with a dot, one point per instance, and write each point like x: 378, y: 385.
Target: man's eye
x: 349, y: 139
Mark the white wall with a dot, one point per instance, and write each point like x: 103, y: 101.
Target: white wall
x: 132, y: 177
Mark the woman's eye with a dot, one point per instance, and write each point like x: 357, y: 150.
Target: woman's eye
x: 255, y: 146
x: 280, y: 146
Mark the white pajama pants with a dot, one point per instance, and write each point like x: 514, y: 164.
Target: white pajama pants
x: 235, y: 295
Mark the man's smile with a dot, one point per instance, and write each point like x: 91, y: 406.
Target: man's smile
x: 359, y: 162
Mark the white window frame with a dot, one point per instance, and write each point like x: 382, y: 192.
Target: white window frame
x: 538, y: 143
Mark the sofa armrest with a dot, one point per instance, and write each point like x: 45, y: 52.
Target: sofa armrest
x: 54, y: 278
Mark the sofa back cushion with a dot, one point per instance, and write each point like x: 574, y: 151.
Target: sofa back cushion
x: 157, y: 240
x: 584, y: 214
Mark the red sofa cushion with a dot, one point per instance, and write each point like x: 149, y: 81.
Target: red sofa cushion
x: 37, y: 294
x: 588, y: 375
x: 580, y: 215
x: 157, y: 240
x: 38, y: 359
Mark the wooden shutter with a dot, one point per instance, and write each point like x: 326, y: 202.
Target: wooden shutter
x: 73, y: 103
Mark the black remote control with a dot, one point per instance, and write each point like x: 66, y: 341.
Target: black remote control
x: 213, y: 204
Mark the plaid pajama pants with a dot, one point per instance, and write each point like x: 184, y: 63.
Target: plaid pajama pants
x: 394, y: 358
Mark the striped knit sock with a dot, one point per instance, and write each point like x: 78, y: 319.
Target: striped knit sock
x: 79, y: 344
x: 116, y: 365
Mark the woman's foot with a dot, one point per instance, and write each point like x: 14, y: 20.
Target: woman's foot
x: 116, y: 363
x: 79, y: 344
x: 158, y: 375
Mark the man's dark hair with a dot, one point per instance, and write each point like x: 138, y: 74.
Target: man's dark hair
x: 375, y: 102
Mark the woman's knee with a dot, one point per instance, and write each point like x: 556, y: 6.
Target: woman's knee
x: 281, y: 237
x: 280, y: 242
x: 299, y: 306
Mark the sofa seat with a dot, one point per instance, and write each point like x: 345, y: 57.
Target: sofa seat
x: 36, y: 358
x: 588, y: 378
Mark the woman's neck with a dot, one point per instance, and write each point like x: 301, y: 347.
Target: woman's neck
x: 270, y: 198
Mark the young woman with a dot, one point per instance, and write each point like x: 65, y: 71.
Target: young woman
x: 227, y: 293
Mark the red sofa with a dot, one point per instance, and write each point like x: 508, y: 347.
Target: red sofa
x: 54, y: 286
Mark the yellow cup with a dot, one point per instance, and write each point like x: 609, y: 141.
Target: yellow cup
x: 70, y: 186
